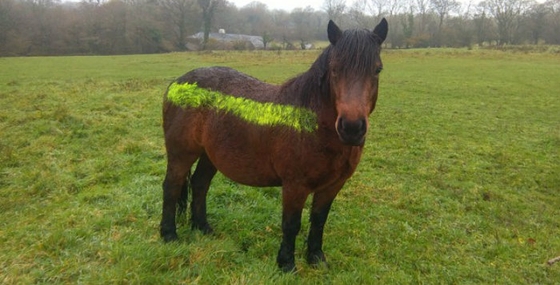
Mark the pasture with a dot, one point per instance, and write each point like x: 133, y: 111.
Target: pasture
x: 459, y: 182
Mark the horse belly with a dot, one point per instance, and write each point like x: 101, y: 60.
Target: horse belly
x: 247, y: 174
x: 242, y: 154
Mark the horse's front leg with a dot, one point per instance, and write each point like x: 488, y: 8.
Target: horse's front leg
x: 293, y: 200
x: 320, y: 208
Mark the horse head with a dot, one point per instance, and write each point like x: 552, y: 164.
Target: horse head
x: 354, y: 64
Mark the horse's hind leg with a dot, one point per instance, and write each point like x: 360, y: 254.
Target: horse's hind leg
x: 175, y: 187
x: 200, y: 183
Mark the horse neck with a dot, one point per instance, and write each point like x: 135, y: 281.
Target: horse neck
x: 310, y: 89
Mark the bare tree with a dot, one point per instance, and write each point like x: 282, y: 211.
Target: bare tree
x: 180, y: 14
x: 304, y: 25
x: 536, y: 20
x: 282, y: 23
x: 256, y: 18
x: 359, y: 17
x: 209, y: 8
x: 551, y: 34
x: 377, y: 7
x: 258, y: 21
x: 482, y: 26
x: 407, y: 23
x: 386, y: 7
x: 335, y: 9
x: 442, y: 9
x: 506, y: 13
x: 422, y: 7
x: 7, y: 24
x: 395, y: 6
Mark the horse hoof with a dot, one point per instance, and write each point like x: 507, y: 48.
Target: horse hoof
x: 205, y: 229
x: 317, y: 259
x: 288, y: 268
x: 170, y: 237
x: 320, y: 265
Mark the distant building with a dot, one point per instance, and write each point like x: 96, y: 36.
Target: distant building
x: 226, y: 41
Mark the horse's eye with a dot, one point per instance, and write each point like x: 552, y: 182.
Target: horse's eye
x: 378, y: 70
x: 334, y: 73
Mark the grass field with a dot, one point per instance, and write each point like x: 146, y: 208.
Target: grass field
x: 459, y: 184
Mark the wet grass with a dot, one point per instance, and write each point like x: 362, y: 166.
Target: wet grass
x: 460, y: 182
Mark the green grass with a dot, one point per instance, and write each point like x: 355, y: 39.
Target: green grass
x: 459, y: 182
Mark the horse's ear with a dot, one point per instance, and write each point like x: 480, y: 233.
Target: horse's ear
x: 334, y: 32
x: 381, y: 30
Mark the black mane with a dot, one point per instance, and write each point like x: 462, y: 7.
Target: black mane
x: 310, y: 88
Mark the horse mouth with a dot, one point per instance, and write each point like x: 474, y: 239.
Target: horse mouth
x: 352, y: 140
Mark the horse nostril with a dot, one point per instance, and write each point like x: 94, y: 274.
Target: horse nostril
x: 340, y: 124
x: 364, y: 125
x: 359, y: 125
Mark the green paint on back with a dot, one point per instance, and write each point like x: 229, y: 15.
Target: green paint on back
x: 264, y: 114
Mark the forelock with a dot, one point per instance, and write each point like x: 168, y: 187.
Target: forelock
x: 355, y: 53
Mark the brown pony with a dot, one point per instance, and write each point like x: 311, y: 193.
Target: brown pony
x: 306, y: 135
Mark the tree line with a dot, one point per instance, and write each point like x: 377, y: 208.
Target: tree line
x: 52, y: 27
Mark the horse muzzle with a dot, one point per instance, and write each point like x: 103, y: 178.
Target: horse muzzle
x: 351, y: 132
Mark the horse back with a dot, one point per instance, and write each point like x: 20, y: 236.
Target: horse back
x: 231, y: 82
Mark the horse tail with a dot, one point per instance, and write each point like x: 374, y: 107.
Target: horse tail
x: 183, y: 199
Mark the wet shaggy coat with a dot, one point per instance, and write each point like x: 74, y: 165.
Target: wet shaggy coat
x: 340, y: 88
